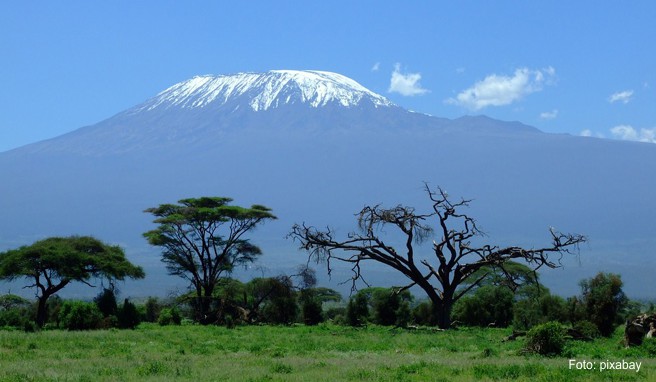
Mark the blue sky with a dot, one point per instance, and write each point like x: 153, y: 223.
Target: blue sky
x: 563, y: 66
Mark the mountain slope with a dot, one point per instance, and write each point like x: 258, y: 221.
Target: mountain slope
x: 319, y: 156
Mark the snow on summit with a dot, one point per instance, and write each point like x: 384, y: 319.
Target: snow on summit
x: 267, y: 90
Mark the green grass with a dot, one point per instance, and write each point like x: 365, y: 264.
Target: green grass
x: 299, y: 353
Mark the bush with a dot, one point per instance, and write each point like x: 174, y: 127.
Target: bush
x: 383, y: 306
x: 533, y: 311
x: 488, y: 305
x: 152, y: 310
x: 15, y: 311
x: 128, y: 316
x: 30, y: 327
x: 587, y: 328
x: 357, y: 310
x: 169, y: 316
x: 229, y: 321
x: 106, y: 302
x: 15, y: 317
x: 422, y: 314
x: 280, y: 310
x: 273, y: 299
x: 333, y: 312
x: 604, y: 300
x: 78, y: 315
x: 312, y: 312
x: 546, y: 339
x: 54, y: 306
x: 390, y: 306
x: 108, y: 323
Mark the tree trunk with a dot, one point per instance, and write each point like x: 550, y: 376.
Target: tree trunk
x: 42, y: 310
x: 442, y: 313
x: 204, y: 306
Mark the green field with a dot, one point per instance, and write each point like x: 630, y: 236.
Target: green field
x: 300, y: 353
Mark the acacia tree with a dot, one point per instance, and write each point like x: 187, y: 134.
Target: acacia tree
x: 450, y: 272
x: 53, y: 263
x: 203, y: 240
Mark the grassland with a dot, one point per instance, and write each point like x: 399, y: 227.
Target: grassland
x: 299, y: 353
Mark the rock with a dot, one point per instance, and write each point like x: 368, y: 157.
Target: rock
x: 638, y: 328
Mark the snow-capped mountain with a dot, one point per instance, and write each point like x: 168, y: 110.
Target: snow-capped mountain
x: 203, y: 109
x: 263, y: 91
x: 316, y: 147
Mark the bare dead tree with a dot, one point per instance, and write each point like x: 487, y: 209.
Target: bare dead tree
x: 444, y: 277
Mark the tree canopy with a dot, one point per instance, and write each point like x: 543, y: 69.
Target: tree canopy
x: 604, y: 300
x: 202, y: 240
x: 53, y: 263
x: 456, y: 261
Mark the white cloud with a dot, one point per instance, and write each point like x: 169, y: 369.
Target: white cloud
x: 497, y: 90
x: 375, y: 67
x: 629, y: 133
x: 549, y: 114
x: 405, y: 84
x: 590, y: 133
x: 624, y: 97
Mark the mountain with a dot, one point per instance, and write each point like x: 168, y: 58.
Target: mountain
x: 316, y: 147
x: 264, y: 91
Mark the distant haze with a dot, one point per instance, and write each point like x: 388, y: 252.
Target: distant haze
x: 316, y: 147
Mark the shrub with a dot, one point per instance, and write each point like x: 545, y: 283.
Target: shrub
x: 54, y: 306
x: 333, y: 312
x: 587, y: 328
x: 280, y: 310
x: 108, y: 323
x: 533, y: 311
x: 312, y: 312
x: 489, y: 304
x: 383, y: 306
x: 79, y: 315
x: 546, y: 339
x: 15, y: 311
x: 390, y: 306
x: 106, y: 302
x: 128, y: 316
x: 604, y: 300
x: 422, y: 314
x: 15, y: 317
x: 30, y: 327
x: 357, y: 310
x: 229, y: 321
x: 169, y: 316
x: 273, y: 299
x: 152, y: 310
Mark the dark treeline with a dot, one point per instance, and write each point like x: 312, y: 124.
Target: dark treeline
x: 286, y: 300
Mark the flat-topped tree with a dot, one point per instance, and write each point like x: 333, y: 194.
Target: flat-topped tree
x: 203, y: 240
x: 455, y: 266
x: 53, y: 263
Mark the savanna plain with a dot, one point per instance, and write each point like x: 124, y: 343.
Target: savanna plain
x: 325, y: 352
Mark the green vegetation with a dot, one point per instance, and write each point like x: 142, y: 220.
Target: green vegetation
x: 51, y: 264
x: 323, y: 352
x: 604, y: 300
x: 458, y: 265
x: 202, y: 240
x: 546, y: 339
x: 378, y: 334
